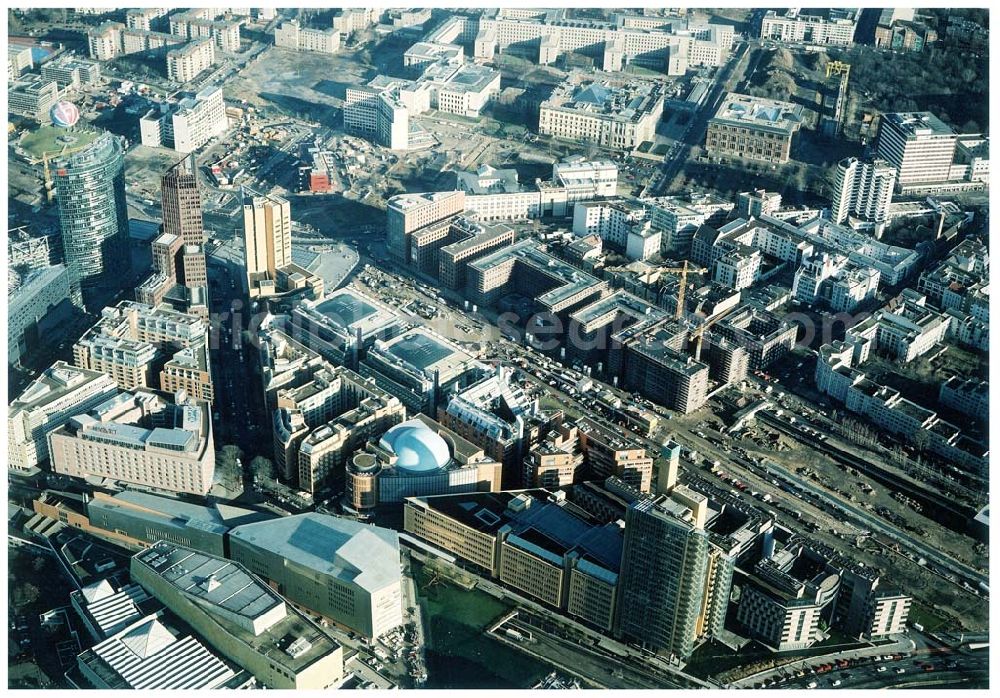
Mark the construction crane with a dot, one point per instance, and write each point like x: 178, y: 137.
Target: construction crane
x: 683, y: 271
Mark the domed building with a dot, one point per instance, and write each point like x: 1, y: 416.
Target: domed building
x: 418, y: 457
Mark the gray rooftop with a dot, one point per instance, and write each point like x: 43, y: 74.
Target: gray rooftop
x: 367, y: 556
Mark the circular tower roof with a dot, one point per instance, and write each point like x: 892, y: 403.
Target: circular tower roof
x: 417, y: 447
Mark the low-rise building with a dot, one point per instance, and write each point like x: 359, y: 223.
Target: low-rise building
x: 148, y: 655
x: 966, y: 395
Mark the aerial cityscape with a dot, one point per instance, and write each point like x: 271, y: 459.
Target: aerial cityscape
x: 479, y: 348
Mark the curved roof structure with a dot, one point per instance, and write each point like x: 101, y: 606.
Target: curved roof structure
x: 418, y: 448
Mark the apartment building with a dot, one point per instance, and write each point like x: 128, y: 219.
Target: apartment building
x: 863, y: 190
x: 290, y: 35
x: 186, y: 122
x: 613, y: 115
x: 188, y: 62
x: 651, y: 362
x: 615, y: 452
x: 105, y: 40
x: 823, y: 27
x: 19, y: 60
x: 753, y: 128
x: 142, y: 439
x: 757, y: 203
x: 904, y: 329
x: 225, y: 32
x: 765, y: 336
x: 969, y: 396
x: 834, y: 281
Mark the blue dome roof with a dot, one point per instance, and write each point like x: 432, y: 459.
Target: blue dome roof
x: 417, y: 447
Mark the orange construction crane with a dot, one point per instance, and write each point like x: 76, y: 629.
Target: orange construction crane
x: 683, y: 271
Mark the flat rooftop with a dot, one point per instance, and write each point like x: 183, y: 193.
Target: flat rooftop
x: 758, y: 113
x: 367, y: 556
x: 629, y: 102
x: 918, y: 123
x: 56, y: 141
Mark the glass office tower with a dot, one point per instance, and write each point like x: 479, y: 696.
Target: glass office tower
x: 93, y: 214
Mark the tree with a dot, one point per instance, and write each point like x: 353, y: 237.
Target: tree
x: 262, y: 468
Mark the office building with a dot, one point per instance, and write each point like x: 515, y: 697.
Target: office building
x: 420, y: 367
x: 181, y: 202
x: 188, y: 62
x: 72, y: 73
x: 621, y: 116
x: 556, y: 460
x: 93, y: 212
x: 342, y: 326
x: 344, y: 571
x: 242, y: 618
x: 526, y: 268
x: 651, y: 361
x: 496, y: 415
x: 919, y: 145
x: 132, y: 340
x: 665, y: 564
x: 535, y: 541
x: 141, y: 439
x: 669, y: 45
x: 317, y: 424
x: 186, y: 122
x: 407, y: 213
x: 148, y: 655
x: 267, y: 239
x: 753, y: 128
x: 614, y: 452
x: 33, y: 98
x: 58, y: 394
x: 823, y: 27
x: 423, y: 54
x: 39, y: 300
x: 137, y: 520
x: 418, y: 457
x: 290, y: 35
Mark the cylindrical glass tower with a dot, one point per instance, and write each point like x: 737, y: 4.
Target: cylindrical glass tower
x: 93, y: 214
